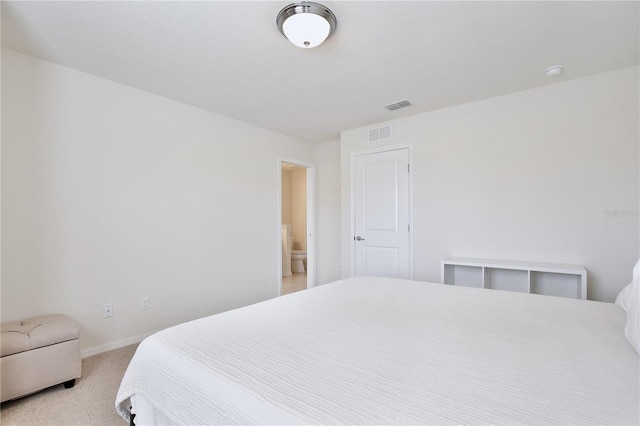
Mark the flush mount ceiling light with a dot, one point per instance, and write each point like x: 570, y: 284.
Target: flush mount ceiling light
x: 306, y: 24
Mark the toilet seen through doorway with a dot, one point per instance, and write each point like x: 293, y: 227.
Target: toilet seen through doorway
x: 292, y: 260
x: 298, y: 258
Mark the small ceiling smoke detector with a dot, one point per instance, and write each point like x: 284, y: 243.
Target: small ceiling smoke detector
x: 554, y: 71
x: 397, y: 105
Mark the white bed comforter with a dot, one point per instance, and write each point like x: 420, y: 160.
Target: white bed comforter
x: 382, y: 351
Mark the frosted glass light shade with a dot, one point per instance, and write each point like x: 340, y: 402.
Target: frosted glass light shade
x: 306, y: 30
x: 306, y: 24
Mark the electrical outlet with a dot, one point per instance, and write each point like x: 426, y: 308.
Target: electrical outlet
x: 144, y: 303
x: 107, y: 310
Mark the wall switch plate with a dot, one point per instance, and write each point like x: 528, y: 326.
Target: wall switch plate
x: 144, y: 303
x: 107, y: 310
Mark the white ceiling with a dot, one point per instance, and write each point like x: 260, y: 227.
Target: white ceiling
x: 228, y: 57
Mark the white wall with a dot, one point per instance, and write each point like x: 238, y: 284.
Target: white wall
x: 328, y: 212
x: 286, y: 197
x: 299, y: 208
x: 294, y: 205
x: 549, y: 174
x: 110, y: 193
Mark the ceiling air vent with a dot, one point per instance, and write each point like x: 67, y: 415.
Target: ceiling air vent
x: 397, y: 105
x: 380, y: 134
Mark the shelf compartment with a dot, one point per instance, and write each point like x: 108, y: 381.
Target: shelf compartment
x: 507, y: 279
x: 466, y: 276
x: 553, y: 284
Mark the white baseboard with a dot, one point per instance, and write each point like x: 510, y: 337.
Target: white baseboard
x: 95, y: 350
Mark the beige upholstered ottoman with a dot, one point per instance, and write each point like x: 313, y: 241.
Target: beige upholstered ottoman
x: 38, y: 353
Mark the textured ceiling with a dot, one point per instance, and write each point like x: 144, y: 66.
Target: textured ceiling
x: 228, y: 57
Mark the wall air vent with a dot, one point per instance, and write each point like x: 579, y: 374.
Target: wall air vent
x: 380, y: 134
x: 397, y: 105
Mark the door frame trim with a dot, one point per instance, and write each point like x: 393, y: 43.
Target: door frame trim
x: 311, y: 221
x: 352, y: 218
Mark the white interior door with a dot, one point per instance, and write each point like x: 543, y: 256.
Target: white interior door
x: 382, y: 214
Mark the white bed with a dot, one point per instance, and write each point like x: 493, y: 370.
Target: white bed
x: 382, y: 351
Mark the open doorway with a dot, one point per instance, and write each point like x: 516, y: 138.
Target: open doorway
x: 296, y: 226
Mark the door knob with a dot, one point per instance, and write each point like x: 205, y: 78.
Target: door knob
x: 359, y: 238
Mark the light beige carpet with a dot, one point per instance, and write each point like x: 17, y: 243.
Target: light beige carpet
x: 90, y: 402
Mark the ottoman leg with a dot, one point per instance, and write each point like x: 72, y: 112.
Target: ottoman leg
x: 69, y: 383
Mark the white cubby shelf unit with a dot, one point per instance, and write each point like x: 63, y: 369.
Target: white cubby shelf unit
x: 551, y: 279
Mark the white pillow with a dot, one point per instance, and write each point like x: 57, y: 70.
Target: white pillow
x: 623, y: 299
x: 632, y: 330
